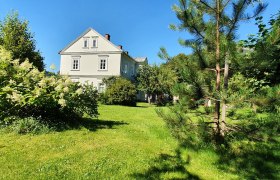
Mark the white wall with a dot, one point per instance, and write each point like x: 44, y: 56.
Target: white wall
x: 131, y: 66
x: 89, y: 65
x: 102, y: 44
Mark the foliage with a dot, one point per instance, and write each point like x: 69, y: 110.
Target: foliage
x: 262, y: 52
x: 212, y: 25
x: 16, y: 37
x: 119, y: 91
x: 156, y: 82
x: 116, y: 148
x: 28, y: 125
x: 27, y: 92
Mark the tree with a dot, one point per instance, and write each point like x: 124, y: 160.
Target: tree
x: 213, y: 28
x: 146, y: 80
x: 156, y: 82
x: 16, y: 38
x: 119, y: 91
x: 262, y: 53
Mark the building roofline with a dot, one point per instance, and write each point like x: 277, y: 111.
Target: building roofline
x: 85, y: 32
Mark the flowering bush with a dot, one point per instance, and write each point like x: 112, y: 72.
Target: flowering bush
x: 26, y: 92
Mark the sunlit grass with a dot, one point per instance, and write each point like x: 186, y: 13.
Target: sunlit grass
x: 117, y: 150
x: 127, y: 143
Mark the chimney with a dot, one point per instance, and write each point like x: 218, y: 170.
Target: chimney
x: 107, y: 36
x: 120, y: 46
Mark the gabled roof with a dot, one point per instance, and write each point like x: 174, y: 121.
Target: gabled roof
x: 140, y: 59
x: 82, y: 35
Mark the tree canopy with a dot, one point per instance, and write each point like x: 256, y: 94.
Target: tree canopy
x: 16, y: 37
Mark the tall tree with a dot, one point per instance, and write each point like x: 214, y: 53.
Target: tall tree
x: 213, y: 24
x: 16, y: 37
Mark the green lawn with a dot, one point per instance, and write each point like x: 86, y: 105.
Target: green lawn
x: 125, y: 143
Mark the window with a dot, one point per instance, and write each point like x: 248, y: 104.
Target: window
x: 75, y: 79
x: 103, y: 63
x: 94, y: 43
x: 101, y: 87
x: 132, y: 70
x: 76, y: 63
x: 85, y: 42
x: 125, y: 68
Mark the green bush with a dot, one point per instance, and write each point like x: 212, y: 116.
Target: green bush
x: 26, y: 92
x: 28, y: 125
x: 119, y: 91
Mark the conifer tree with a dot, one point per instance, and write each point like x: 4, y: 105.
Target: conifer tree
x: 213, y: 24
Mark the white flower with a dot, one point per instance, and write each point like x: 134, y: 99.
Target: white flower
x: 62, y: 102
x: 12, y: 81
x: 26, y: 65
x: 52, y: 81
x: 42, y: 83
x: 79, y: 91
x: 7, y: 89
x: 34, y: 72
x: 68, y: 81
x: 59, y: 87
x: 16, y: 62
x: 3, y: 73
x: 61, y: 95
x: 15, y: 97
x: 66, y: 89
x: 37, y: 92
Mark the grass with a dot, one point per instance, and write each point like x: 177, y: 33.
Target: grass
x: 124, y: 143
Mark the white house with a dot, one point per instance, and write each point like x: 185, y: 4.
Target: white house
x: 92, y: 57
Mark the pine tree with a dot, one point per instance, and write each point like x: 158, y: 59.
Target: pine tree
x: 213, y: 24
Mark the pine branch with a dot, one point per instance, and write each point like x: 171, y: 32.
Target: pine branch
x: 195, y: 28
x: 226, y: 4
x: 207, y: 5
x: 237, y: 11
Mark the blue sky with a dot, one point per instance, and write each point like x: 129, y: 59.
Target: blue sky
x: 141, y: 26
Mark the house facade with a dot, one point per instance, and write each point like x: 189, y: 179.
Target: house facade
x: 92, y: 57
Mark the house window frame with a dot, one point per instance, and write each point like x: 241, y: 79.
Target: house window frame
x: 75, y: 59
x: 101, y: 87
x: 94, y: 38
x: 101, y: 58
x: 86, y: 42
x: 132, y: 70
x: 125, y: 69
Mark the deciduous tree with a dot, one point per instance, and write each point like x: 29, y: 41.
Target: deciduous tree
x: 16, y: 37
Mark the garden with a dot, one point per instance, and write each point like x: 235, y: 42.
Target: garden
x: 223, y: 123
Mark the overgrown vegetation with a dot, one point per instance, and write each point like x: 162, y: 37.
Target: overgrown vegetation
x: 156, y: 82
x: 29, y: 99
x: 246, y: 132
x: 119, y: 91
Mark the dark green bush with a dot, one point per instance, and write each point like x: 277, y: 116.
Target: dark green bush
x: 119, y: 91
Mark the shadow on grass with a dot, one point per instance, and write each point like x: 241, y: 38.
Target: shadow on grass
x: 95, y: 124
x: 252, y: 160
x: 167, y: 167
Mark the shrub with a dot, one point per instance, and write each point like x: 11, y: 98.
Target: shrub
x: 26, y: 92
x: 119, y: 91
x: 28, y: 125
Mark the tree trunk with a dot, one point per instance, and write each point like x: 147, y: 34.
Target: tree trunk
x: 149, y: 98
x: 217, y: 127
x: 224, y: 102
